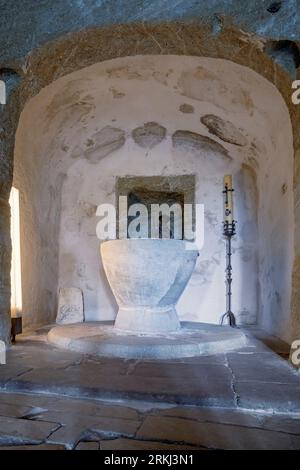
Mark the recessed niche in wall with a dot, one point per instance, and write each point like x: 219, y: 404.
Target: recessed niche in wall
x: 149, y: 190
x: 65, y: 252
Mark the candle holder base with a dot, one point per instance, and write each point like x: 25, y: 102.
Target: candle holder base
x: 229, y: 230
x: 231, y: 319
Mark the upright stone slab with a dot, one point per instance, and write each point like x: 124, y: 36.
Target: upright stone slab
x: 295, y: 354
x: 70, y: 306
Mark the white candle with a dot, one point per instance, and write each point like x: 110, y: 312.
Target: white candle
x: 228, y: 199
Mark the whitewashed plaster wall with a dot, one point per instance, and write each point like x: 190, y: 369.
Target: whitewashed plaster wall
x: 75, y: 137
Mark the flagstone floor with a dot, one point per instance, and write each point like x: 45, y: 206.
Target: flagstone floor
x: 57, y: 399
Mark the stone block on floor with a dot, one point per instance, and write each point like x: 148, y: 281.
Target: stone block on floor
x: 70, y: 306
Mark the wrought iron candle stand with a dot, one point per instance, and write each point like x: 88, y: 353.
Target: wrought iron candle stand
x: 229, y: 230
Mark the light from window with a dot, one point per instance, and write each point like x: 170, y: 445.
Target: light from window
x: 15, y: 273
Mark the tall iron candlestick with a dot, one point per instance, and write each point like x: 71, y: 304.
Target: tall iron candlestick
x: 229, y: 232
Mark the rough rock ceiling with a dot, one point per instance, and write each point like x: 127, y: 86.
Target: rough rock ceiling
x: 27, y: 24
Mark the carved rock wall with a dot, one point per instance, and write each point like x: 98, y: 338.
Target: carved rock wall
x: 77, y: 50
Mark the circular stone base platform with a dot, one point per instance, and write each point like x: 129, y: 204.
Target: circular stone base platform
x: 102, y: 339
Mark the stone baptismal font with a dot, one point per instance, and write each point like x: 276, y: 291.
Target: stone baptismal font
x: 147, y: 277
x: 147, y: 270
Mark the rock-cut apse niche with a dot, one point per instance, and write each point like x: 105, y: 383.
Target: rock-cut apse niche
x: 157, y: 116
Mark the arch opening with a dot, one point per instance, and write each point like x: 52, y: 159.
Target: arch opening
x: 149, y: 117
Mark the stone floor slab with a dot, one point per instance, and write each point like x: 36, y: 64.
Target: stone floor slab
x: 35, y: 404
x: 14, y: 411
x: 284, y: 398
x: 34, y: 447
x: 209, y: 359
x: 7, y: 372
x: 216, y: 415
x: 134, y: 444
x: 283, y: 423
x: 178, y: 371
x: 122, y: 427
x: 35, y: 355
x: 77, y: 427
x: 210, y: 386
x: 24, y: 431
x: 88, y: 446
x: 266, y: 367
x: 213, y: 435
x: 212, y: 396
x: 270, y: 341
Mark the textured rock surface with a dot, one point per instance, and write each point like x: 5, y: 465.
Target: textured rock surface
x: 17, y: 20
x: 296, y: 274
x: 149, y: 135
x: 89, y: 46
x: 225, y: 130
x: 104, y: 142
x: 186, y: 108
x: 5, y: 251
x: 70, y: 306
x: 198, y: 143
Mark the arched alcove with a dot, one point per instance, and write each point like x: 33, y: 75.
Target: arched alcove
x: 151, y: 116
